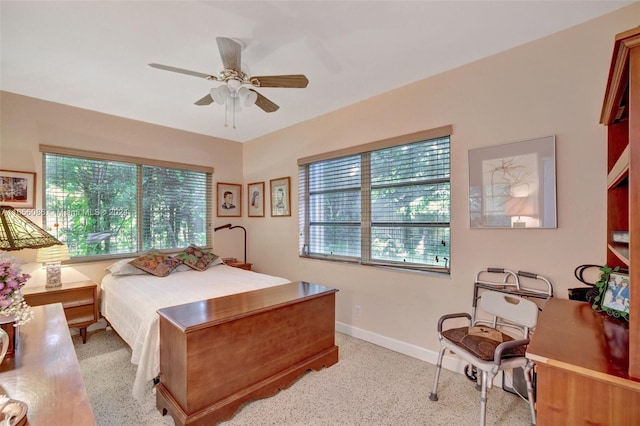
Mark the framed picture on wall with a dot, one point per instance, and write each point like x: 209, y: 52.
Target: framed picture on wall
x: 229, y: 199
x: 255, y: 199
x: 513, y: 185
x: 17, y: 189
x: 280, y: 196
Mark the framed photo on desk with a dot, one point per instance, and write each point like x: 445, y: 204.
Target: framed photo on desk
x: 613, y: 293
x: 616, y: 296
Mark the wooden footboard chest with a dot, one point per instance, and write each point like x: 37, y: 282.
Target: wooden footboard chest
x: 217, y: 354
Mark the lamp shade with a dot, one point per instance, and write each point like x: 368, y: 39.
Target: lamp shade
x: 53, y: 254
x: 17, y: 232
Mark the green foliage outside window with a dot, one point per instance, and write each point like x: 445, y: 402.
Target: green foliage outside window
x: 100, y: 207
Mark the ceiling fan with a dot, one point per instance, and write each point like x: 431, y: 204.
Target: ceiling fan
x: 233, y: 92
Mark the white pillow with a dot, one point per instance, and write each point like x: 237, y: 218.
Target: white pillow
x: 123, y: 267
x: 218, y: 261
x: 182, y: 268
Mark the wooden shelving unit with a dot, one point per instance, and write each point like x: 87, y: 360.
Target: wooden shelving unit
x: 621, y: 115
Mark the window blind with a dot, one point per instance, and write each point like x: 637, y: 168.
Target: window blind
x: 335, y: 207
x: 105, y: 207
x: 388, y: 206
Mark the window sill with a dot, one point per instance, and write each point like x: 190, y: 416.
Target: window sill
x: 399, y: 268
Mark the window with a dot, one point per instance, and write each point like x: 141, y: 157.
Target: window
x: 386, y: 203
x: 120, y: 205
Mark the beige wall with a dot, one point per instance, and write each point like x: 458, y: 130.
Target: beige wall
x: 28, y: 122
x: 554, y: 86
x: 551, y: 86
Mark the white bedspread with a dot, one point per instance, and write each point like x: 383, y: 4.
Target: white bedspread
x: 130, y: 304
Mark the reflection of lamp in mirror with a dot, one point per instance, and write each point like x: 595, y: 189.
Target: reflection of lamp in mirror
x: 51, y: 257
x: 519, y: 206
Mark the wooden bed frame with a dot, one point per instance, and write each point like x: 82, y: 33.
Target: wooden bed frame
x: 219, y: 353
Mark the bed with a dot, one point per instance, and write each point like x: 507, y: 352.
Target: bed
x: 130, y: 304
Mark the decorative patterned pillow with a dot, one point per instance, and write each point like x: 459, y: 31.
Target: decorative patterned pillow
x: 197, y: 258
x: 156, y: 263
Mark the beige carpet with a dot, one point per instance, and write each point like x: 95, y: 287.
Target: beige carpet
x: 370, y: 385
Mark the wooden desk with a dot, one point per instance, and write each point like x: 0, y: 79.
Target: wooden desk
x: 582, y: 361
x: 45, y: 374
x: 217, y: 354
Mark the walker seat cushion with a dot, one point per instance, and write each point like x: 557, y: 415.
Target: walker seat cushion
x: 482, y: 341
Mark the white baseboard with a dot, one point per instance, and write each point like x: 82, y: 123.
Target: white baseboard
x: 449, y: 361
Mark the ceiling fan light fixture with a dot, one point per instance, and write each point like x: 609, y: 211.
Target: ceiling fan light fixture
x: 234, y: 85
x: 247, y: 97
x: 220, y: 94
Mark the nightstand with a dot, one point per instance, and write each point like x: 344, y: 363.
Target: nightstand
x: 242, y: 265
x: 79, y: 301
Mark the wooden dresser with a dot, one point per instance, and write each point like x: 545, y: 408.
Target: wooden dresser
x: 582, y: 366
x: 45, y: 374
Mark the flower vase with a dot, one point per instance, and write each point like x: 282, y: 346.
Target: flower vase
x: 8, y: 325
x: 5, y: 344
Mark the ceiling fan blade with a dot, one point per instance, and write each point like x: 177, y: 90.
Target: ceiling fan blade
x: 207, y: 100
x: 295, y: 80
x: 229, y: 52
x: 265, y: 104
x: 182, y: 71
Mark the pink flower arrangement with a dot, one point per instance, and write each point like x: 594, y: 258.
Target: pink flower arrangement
x: 12, y: 302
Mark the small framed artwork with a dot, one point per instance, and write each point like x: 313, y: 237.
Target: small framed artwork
x: 613, y: 296
x: 255, y: 199
x: 17, y: 189
x: 513, y: 185
x: 281, y: 196
x: 229, y: 199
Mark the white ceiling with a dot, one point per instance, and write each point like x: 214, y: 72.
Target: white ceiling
x: 94, y: 55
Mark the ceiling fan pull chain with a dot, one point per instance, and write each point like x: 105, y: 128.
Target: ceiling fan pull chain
x: 226, y: 109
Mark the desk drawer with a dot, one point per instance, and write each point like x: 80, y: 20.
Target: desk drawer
x: 70, y: 298
x: 78, y: 315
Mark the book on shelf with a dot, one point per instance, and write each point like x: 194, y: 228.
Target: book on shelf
x: 620, y: 237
